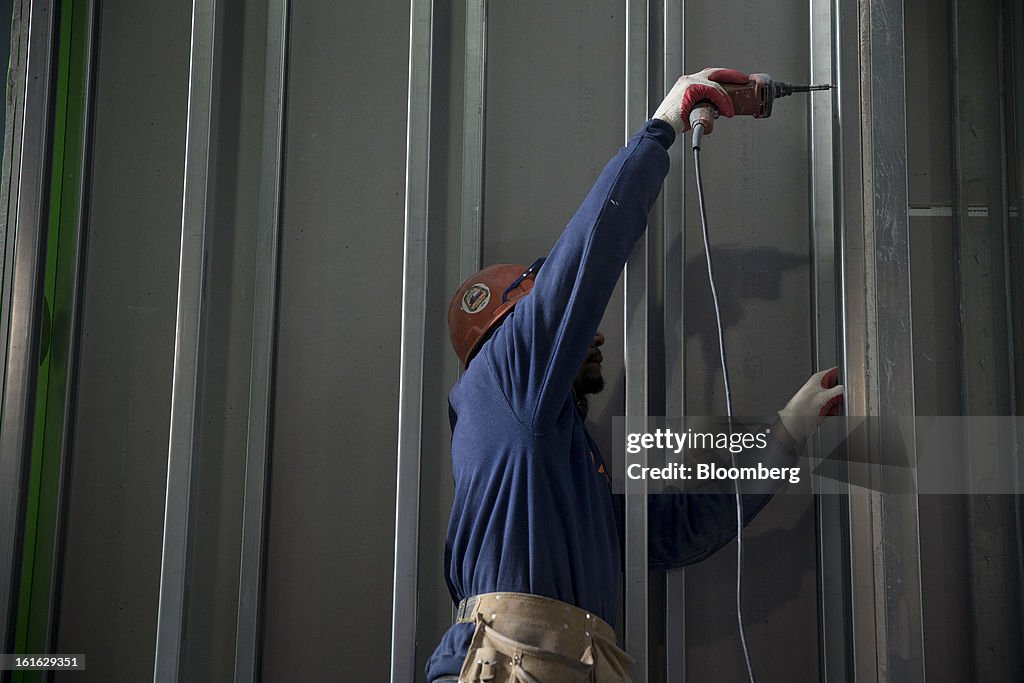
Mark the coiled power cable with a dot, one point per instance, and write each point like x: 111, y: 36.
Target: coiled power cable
x: 698, y: 133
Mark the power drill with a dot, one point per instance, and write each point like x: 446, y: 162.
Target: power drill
x: 753, y: 98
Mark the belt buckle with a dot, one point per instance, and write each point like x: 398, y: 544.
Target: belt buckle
x: 466, y: 607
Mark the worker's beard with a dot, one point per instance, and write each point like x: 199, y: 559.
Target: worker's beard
x: 589, y: 379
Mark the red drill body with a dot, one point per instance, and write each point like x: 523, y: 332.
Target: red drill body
x: 753, y: 98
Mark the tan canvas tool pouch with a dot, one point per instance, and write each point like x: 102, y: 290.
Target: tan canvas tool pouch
x: 521, y: 638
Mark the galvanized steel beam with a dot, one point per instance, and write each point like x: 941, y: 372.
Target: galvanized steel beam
x: 261, y: 374
x: 829, y: 506
x: 414, y: 304
x: 674, y: 254
x: 82, y: 173
x: 636, y: 342
x: 888, y: 641
x: 186, y: 391
x: 473, y: 121
x: 23, y: 203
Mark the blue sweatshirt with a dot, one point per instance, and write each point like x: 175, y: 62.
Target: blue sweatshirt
x: 533, y: 509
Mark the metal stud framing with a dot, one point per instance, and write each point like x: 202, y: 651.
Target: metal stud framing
x: 473, y: 118
x: 859, y: 208
x: 636, y: 311
x: 23, y: 202
x: 878, y: 366
x: 254, y: 504
x: 829, y: 507
x: 187, y: 384
x: 414, y: 290
x: 74, y: 316
x: 673, y: 208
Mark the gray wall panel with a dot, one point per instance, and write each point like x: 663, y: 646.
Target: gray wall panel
x: 779, y: 600
x: 112, y: 565
x: 933, y: 283
x: 331, y: 525
x: 220, y: 462
x: 929, y: 147
x: 757, y: 188
x: 944, y: 565
x: 945, y: 576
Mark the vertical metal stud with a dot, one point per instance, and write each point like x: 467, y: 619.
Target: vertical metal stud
x: 264, y: 326
x: 23, y: 203
x: 673, y: 208
x: 414, y: 304
x: 473, y: 120
x: 830, y: 518
x: 186, y: 389
x: 74, y: 316
x: 637, y: 43
x: 823, y: 305
x: 887, y: 641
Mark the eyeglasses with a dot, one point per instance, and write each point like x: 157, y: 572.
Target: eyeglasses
x: 532, y: 270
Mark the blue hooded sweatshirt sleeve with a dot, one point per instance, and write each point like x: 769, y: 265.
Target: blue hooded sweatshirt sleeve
x: 537, y: 355
x: 533, y: 510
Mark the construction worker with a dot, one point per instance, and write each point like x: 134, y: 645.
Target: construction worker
x: 534, y: 544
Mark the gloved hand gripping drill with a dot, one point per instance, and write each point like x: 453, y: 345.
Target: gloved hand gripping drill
x: 708, y: 86
x: 704, y: 96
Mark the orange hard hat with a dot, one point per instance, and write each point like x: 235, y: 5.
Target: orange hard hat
x: 483, y: 301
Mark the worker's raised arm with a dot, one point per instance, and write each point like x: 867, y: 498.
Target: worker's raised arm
x: 536, y: 353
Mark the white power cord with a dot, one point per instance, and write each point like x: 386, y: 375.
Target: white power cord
x: 698, y: 133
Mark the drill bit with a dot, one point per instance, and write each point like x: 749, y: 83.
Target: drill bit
x: 784, y: 89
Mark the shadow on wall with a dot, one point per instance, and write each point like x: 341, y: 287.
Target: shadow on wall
x: 767, y: 600
x: 742, y: 274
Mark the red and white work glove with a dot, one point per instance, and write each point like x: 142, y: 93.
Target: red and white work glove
x: 820, y: 397
x: 691, y: 89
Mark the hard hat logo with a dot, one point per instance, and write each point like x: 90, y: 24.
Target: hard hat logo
x: 476, y: 298
x: 476, y: 309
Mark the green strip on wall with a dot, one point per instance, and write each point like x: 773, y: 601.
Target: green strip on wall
x: 54, y: 377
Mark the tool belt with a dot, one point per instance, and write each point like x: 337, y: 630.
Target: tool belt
x: 532, y: 639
